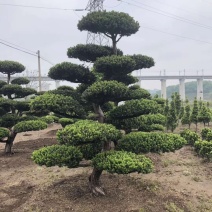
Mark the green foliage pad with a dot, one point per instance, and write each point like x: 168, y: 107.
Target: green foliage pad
x: 121, y: 162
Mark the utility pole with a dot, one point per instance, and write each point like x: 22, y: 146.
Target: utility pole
x: 39, y: 70
x: 92, y: 38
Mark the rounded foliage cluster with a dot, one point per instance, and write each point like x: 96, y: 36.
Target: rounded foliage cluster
x: 9, y: 120
x: 65, y: 121
x: 114, y: 65
x: 87, y: 131
x: 143, y: 142
x: 90, y: 150
x: 204, y: 149
x: 58, y: 104
x: 207, y: 134
x: 90, y: 52
x: 112, y: 23
x: 11, y: 67
x: 189, y: 136
x: 28, y: 118
x: 71, y: 72
x: 121, y: 162
x: 104, y: 91
x: 4, y: 133
x: 32, y: 125
x: 134, y: 108
x: 57, y: 155
x: 47, y: 119
x: 20, y: 81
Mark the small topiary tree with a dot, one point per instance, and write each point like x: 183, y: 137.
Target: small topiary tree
x: 195, y: 113
x: 204, y: 114
x: 186, y: 119
x: 20, y: 127
x: 189, y: 136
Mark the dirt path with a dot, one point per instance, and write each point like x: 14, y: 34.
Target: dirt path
x: 180, y: 182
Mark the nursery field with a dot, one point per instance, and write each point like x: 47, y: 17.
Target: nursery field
x: 181, y: 181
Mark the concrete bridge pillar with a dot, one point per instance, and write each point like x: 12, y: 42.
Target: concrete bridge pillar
x: 199, y: 89
x: 182, y: 89
x: 57, y: 83
x: 163, y: 88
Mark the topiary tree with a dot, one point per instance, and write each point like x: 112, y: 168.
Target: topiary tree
x: 10, y: 67
x: 106, y: 82
x: 23, y: 126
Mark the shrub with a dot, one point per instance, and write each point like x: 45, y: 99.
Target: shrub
x: 143, y: 142
x: 121, y: 162
x: 90, y: 150
x: 65, y: 121
x: 204, y: 133
x: 60, y: 155
x: 47, y: 119
x: 189, y: 136
x: 55, y: 118
x: 209, y: 136
x: 9, y: 120
x: 4, y: 132
x: 204, y: 149
x: 29, y: 126
x: 87, y: 131
x: 28, y: 118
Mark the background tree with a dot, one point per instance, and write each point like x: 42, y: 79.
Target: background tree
x: 195, y: 113
x: 186, y: 119
x: 204, y: 114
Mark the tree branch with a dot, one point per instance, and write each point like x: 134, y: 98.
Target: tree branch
x: 119, y: 39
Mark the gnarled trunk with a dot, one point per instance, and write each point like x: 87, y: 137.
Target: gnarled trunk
x: 9, y: 142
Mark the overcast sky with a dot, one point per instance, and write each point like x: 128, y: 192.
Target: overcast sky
x: 53, y: 31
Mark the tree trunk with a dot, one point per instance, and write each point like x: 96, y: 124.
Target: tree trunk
x: 99, y: 112
x: 8, y: 78
x: 94, y: 182
x: 114, y: 46
x: 8, y: 147
x: 9, y: 142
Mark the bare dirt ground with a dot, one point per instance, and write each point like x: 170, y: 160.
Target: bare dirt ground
x: 181, y: 181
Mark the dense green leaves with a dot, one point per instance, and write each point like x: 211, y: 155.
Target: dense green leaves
x: 8, y: 120
x: 32, y: 125
x: 86, y: 131
x: 121, y: 162
x: 142, y: 61
x: 143, y: 142
x: 204, y: 149
x: 58, y: 155
x: 90, y: 52
x: 11, y: 67
x: 71, y: 72
x: 58, y: 104
x: 104, y: 91
x: 134, y: 108
x: 4, y: 133
x: 65, y: 121
x: 114, y: 66
x: 2, y: 83
x: 90, y: 150
x: 20, y: 81
x: 110, y: 23
x: 189, y: 136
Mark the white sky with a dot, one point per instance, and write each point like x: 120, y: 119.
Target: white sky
x: 53, y: 31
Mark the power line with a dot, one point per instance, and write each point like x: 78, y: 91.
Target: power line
x: 39, y: 7
x: 176, y: 35
x: 18, y: 49
x: 27, y: 52
x: 16, y: 45
x: 170, y: 16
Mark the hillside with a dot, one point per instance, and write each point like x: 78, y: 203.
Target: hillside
x: 190, y: 88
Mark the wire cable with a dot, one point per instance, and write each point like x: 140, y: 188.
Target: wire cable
x: 27, y: 52
x: 176, y: 35
x: 171, y: 16
x: 39, y: 7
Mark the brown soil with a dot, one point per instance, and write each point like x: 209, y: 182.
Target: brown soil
x: 181, y: 181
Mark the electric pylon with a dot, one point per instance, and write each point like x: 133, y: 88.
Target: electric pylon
x: 96, y: 38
